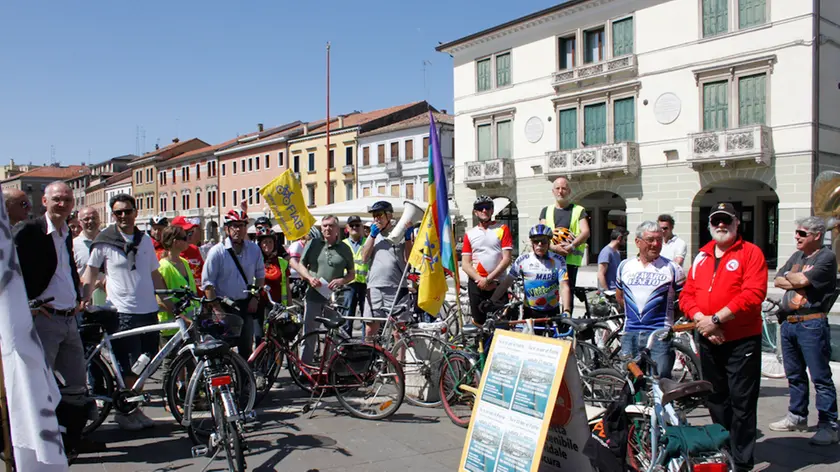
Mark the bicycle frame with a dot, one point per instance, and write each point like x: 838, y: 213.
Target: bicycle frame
x: 105, y: 345
x: 327, y: 359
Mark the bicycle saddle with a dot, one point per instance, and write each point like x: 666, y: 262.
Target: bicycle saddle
x: 329, y: 322
x: 212, y: 349
x: 580, y: 292
x: 578, y: 324
x: 673, y: 390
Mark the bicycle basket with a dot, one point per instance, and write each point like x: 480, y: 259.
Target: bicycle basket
x: 357, y: 358
x: 106, y: 318
x: 91, y: 333
x: 284, y: 325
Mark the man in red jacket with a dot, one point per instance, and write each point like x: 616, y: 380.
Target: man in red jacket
x: 723, y: 293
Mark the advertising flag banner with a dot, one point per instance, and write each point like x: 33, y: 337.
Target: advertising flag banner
x: 285, y: 199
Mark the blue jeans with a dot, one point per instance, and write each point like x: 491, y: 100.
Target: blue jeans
x: 808, y: 345
x: 128, y: 350
x: 632, y: 342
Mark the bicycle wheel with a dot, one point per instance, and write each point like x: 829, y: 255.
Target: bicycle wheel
x: 602, y: 386
x: 318, y: 337
x: 772, y: 365
x: 686, y: 364
x: 590, y: 358
x: 420, y: 356
x: 372, y: 386
x: 458, y: 369
x: 265, y: 366
x: 638, y: 441
x: 236, y: 440
x: 232, y: 438
x: 101, y: 385
x: 175, y: 384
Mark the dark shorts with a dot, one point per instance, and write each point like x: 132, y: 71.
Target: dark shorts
x: 127, y: 350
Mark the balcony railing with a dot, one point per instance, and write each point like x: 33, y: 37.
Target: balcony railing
x: 751, y: 143
x: 625, y: 66
x: 393, y: 168
x: 348, y: 170
x: 494, y: 173
x: 622, y: 158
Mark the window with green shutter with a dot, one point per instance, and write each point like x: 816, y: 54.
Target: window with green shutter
x: 595, y: 124
x: 715, y: 105
x: 625, y: 120
x: 622, y: 37
x: 715, y: 17
x: 483, y: 133
x: 482, y: 75
x: 568, y: 129
x: 503, y: 69
x: 751, y: 13
x: 752, y: 100
x: 504, y: 149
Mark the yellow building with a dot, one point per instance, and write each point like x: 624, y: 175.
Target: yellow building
x: 309, y: 159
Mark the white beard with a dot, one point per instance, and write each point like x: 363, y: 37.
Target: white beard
x: 564, y: 202
x: 723, y: 235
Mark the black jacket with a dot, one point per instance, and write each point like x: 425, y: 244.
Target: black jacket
x: 37, y: 256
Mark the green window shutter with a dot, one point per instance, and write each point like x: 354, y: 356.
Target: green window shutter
x: 751, y: 13
x: 482, y: 75
x: 504, y: 148
x: 483, y: 132
x: 568, y: 129
x: 503, y: 70
x: 715, y: 105
x: 595, y: 124
x: 752, y: 100
x: 623, y: 37
x: 715, y: 17
x: 625, y: 120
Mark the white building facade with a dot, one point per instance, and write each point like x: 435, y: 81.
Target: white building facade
x: 394, y: 160
x: 113, y: 189
x: 651, y: 107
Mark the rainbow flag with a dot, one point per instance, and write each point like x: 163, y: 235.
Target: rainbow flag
x: 433, y: 252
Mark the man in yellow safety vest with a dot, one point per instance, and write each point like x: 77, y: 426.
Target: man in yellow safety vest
x: 571, y: 223
x: 358, y: 288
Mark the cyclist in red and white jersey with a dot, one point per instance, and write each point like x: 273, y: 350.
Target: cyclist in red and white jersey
x: 485, y: 256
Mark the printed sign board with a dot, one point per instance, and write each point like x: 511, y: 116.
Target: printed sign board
x: 529, y: 414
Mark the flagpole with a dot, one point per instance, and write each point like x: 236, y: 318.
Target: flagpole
x: 329, y: 187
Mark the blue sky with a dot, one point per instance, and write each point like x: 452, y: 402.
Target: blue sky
x: 82, y: 78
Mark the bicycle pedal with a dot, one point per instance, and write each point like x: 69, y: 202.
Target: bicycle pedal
x: 199, y: 451
x: 250, y: 416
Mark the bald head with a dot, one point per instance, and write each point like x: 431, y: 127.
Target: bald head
x: 58, y: 199
x: 562, y: 191
x: 89, y: 219
x: 17, y: 205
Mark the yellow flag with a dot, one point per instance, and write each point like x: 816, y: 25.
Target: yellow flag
x: 425, y: 256
x: 286, y: 202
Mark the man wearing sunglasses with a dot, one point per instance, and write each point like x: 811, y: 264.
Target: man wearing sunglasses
x: 358, y: 287
x: 17, y: 205
x: 485, y: 256
x: 544, y: 276
x: 723, y: 293
x: 809, y: 279
x: 673, y: 247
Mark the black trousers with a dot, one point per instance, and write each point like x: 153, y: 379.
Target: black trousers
x: 355, y: 301
x: 245, y: 342
x: 734, y: 369
x: 476, y: 297
x: 572, y: 270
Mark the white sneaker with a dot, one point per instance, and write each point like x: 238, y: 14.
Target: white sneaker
x: 142, y: 419
x: 790, y: 423
x: 127, y: 422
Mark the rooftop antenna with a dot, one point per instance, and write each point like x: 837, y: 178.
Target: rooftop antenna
x: 426, y: 62
x: 52, y: 154
x: 137, y: 140
x: 142, y: 140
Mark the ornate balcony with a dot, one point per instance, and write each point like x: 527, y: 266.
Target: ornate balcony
x: 192, y: 212
x: 393, y: 168
x: 751, y: 143
x: 348, y: 170
x: 495, y: 173
x: 588, y: 74
x: 618, y: 158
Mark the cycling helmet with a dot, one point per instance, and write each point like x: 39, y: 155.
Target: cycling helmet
x: 563, y: 236
x: 381, y: 206
x: 159, y: 221
x: 540, y: 230
x: 235, y: 216
x: 482, y: 200
x: 264, y: 232
x: 262, y: 221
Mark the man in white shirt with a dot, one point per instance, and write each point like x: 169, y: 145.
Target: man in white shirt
x: 89, y: 219
x: 128, y: 257
x: 673, y: 247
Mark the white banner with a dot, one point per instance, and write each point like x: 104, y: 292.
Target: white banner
x: 31, y: 392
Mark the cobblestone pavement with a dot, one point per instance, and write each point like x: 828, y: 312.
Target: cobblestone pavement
x: 414, y: 439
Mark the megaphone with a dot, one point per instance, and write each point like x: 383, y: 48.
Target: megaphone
x: 411, y: 213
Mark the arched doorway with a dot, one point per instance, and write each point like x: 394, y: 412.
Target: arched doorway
x: 211, y: 232
x: 510, y: 216
x: 606, y: 210
x: 755, y: 201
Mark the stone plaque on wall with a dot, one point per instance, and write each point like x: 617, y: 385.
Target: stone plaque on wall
x: 534, y: 129
x: 667, y: 108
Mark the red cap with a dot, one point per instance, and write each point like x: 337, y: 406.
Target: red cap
x: 186, y: 223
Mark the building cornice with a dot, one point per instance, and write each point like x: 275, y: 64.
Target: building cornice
x: 541, y: 17
x: 323, y: 134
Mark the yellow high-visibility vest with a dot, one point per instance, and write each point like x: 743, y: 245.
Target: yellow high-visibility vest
x: 359, y: 264
x: 575, y: 258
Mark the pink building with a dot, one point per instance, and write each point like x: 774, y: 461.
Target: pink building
x: 251, y: 163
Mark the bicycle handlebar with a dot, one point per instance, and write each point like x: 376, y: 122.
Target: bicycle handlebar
x: 34, y: 304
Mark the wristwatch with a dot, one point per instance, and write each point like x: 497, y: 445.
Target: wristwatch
x: 715, y: 319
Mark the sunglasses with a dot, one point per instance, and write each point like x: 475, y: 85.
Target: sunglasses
x: 483, y: 208
x: 718, y: 219
x: 355, y: 226
x: 123, y: 212
x: 665, y: 228
x: 802, y: 233
x: 377, y: 214
x: 540, y: 241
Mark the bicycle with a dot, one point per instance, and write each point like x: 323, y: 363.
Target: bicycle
x: 772, y: 364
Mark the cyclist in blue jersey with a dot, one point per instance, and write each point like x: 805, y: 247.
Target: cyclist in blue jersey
x: 545, y: 275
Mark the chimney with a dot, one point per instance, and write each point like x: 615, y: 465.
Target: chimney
x: 260, y: 127
x: 175, y: 140
x: 443, y: 111
x: 340, y: 121
x: 306, y: 128
x: 157, y: 146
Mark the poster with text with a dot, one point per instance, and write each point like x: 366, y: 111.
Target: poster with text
x: 568, y: 428
x: 516, y: 402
